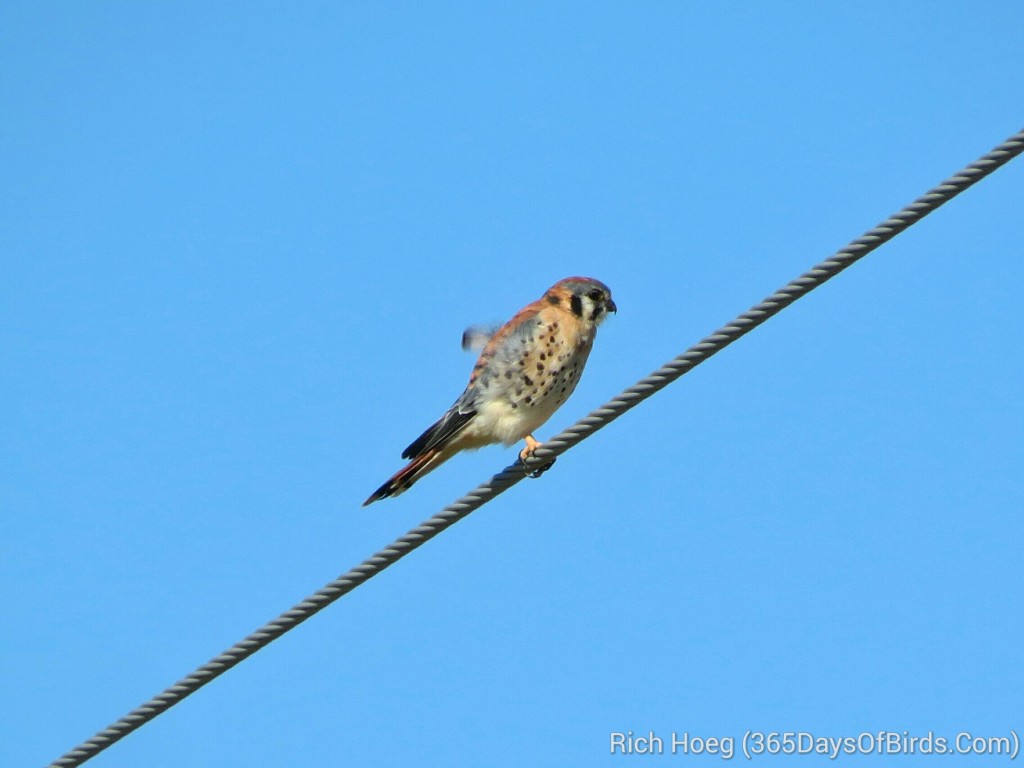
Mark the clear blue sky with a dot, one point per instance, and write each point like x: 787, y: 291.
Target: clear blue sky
x: 239, y: 246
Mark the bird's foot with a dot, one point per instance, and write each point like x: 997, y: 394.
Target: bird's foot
x: 542, y: 469
x: 531, y: 446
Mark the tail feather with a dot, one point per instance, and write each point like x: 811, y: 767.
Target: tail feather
x: 403, y: 479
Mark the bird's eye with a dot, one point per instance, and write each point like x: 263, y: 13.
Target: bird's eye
x: 594, y: 295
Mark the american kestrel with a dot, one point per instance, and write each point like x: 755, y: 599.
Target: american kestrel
x: 526, y: 370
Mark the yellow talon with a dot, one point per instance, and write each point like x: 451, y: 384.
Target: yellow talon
x: 531, y: 446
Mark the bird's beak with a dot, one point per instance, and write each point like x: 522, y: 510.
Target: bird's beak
x: 611, y: 306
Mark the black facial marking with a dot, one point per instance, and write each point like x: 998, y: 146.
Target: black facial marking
x: 595, y: 313
x: 576, y: 305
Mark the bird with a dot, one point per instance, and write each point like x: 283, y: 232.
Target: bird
x: 526, y: 370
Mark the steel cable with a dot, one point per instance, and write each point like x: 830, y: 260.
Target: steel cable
x: 557, y: 445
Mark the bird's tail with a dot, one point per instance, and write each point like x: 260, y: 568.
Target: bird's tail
x: 407, y: 475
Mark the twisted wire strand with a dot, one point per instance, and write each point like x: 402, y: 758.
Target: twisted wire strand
x: 557, y: 445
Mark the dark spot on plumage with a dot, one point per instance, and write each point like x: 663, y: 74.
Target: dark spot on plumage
x: 543, y: 356
x: 519, y: 391
x: 514, y: 405
x: 576, y: 305
x: 540, y: 367
x: 552, y: 299
x: 508, y: 374
x: 528, y: 399
x: 528, y: 380
x: 551, y: 338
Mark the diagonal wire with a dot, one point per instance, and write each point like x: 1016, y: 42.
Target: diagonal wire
x: 582, y: 429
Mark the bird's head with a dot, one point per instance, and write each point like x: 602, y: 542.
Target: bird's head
x: 588, y: 299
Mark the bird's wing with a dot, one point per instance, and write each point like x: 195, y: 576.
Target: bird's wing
x: 442, y: 431
x: 476, y: 337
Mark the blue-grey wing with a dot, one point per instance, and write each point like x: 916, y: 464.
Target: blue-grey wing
x: 445, y: 429
x: 476, y: 337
